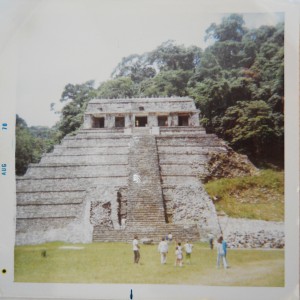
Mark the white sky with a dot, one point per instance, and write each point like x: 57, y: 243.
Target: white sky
x: 73, y: 41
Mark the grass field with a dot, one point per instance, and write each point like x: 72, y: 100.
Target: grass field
x: 113, y: 263
x: 258, y: 197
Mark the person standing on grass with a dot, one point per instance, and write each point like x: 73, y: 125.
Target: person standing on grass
x: 163, y: 250
x: 211, y: 241
x: 170, y: 237
x: 178, y: 256
x: 136, y: 250
x: 188, y: 252
x: 221, y: 253
x: 224, y: 245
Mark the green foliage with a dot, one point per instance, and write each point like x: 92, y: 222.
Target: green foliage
x: 166, y: 83
x: 31, y: 143
x: 231, y: 28
x: 169, y: 56
x: 121, y: 87
x: 249, y: 125
x: 136, y: 67
x: 164, y: 71
x: 239, y: 87
x: 76, y: 97
x: 253, y: 197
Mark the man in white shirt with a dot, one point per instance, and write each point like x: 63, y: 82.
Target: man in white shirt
x: 163, y: 250
x: 136, y: 252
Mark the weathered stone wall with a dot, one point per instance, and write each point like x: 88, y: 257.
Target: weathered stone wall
x: 182, y: 161
x: 53, y: 223
x: 105, y: 207
x: 189, y: 204
x: 244, y: 233
x: 152, y: 120
x: 109, y: 121
x: 229, y: 164
x: 148, y: 104
x: 88, y: 121
x: 194, y: 120
x: 57, y: 198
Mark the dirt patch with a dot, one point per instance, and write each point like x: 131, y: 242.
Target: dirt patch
x: 71, y: 248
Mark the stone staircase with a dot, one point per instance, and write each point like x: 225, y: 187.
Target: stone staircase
x: 146, y: 207
x: 179, y: 232
x: 146, y: 201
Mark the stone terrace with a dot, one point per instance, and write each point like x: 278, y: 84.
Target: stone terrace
x: 159, y: 174
x: 108, y: 184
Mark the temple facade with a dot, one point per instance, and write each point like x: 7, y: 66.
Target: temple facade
x: 141, y: 112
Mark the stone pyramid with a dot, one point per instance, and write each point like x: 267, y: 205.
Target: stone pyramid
x: 134, y: 168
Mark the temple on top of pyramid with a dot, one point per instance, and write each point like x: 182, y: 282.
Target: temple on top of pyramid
x: 141, y: 112
x: 134, y: 168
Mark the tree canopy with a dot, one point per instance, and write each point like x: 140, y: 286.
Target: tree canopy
x: 237, y: 83
x: 242, y: 72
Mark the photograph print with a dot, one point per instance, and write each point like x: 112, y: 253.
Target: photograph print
x: 150, y: 146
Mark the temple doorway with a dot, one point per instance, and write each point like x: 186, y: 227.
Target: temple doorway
x: 119, y: 122
x: 162, y: 121
x: 183, y: 120
x: 141, y: 121
x: 98, y: 122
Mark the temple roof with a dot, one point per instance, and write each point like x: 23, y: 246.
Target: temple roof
x: 161, y: 104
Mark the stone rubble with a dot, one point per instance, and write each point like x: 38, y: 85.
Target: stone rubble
x: 244, y: 233
x: 229, y: 164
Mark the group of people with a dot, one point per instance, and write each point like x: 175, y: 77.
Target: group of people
x: 163, y: 249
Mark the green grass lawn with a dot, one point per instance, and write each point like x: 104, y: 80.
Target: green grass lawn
x: 258, y: 197
x: 113, y: 263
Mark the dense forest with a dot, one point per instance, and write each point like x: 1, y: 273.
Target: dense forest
x: 237, y: 83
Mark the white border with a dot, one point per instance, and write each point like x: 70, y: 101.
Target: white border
x: 11, y: 290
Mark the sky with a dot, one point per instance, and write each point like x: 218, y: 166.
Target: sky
x: 73, y: 41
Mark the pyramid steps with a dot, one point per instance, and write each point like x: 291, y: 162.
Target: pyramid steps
x: 145, y: 195
x: 180, y: 233
x: 182, y: 130
x: 67, y: 184
x: 76, y: 171
x: 52, y: 193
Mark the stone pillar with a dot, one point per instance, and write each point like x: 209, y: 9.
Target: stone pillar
x: 169, y: 120
x: 174, y: 120
x: 152, y: 120
x: 88, y: 121
x: 128, y: 121
x: 109, y: 121
x: 194, y: 119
